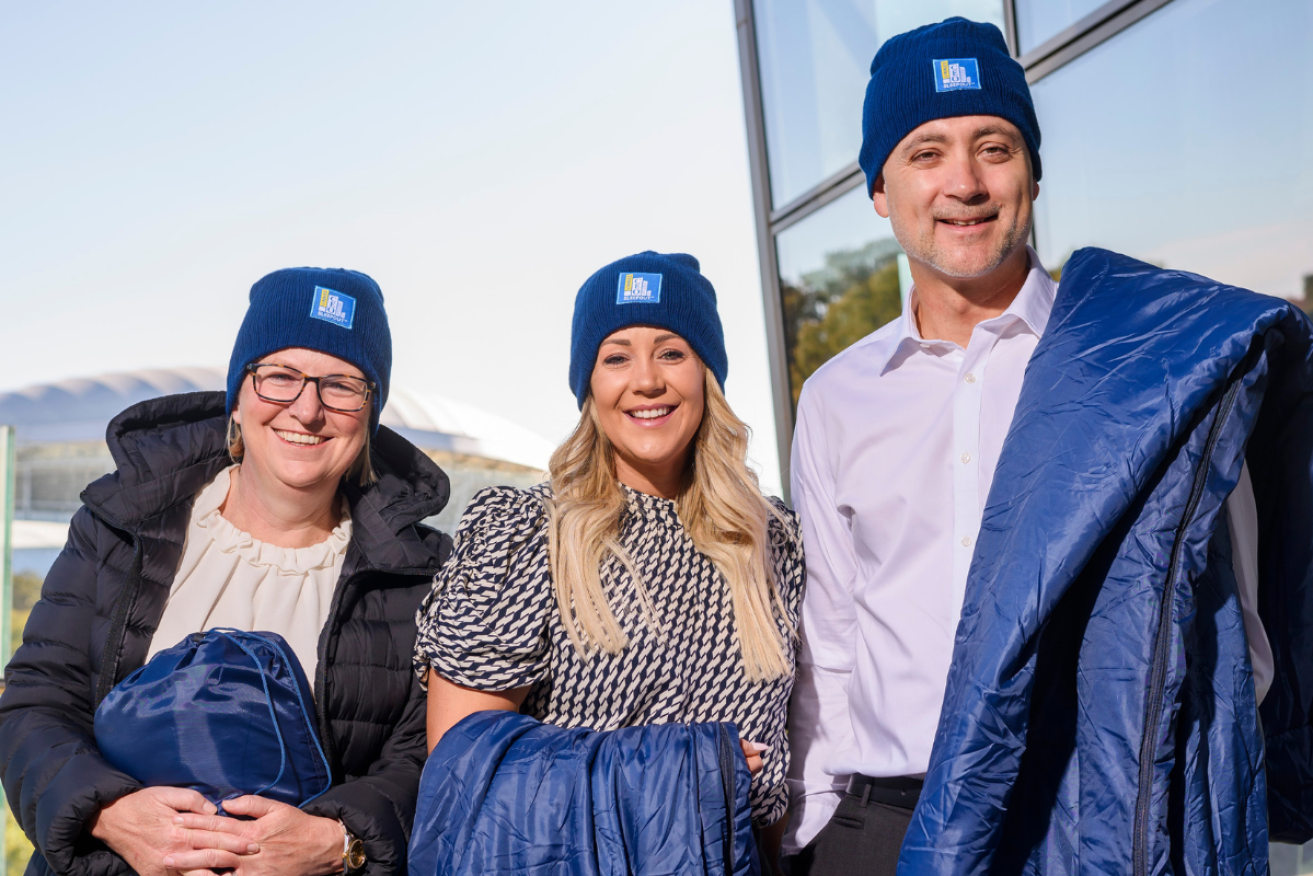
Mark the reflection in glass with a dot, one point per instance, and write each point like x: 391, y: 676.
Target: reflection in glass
x: 1178, y: 142
x: 1038, y: 20
x: 815, y: 58
x: 838, y: 282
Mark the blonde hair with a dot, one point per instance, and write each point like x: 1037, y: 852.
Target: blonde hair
x: 721, y: 507
x: 361, y: 470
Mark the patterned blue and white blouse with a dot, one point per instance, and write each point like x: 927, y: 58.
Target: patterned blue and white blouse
x: 491, y: 623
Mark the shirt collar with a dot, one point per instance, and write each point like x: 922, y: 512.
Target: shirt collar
x: 1031, y: 307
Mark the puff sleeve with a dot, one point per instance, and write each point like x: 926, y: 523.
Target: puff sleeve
x: 485, y: 623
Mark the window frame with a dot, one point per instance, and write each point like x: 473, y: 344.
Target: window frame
x: 1059, y: 50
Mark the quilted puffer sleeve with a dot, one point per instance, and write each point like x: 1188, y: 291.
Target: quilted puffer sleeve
x: 379, y: 807
x: 485, y: 624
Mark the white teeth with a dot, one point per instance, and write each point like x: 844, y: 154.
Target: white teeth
x: 652, y: 414
x: 298, y: 438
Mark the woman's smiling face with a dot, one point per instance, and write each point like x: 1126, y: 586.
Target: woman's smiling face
x: 649, y: 391
x: 301, y: 444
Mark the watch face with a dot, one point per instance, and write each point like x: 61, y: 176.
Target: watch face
x: 355, y: 855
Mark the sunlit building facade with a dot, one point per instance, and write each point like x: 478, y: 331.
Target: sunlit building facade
x: 1175, y: 131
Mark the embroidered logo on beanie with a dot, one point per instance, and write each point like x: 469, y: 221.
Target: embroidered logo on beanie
x: 956, y: 74
x: 639, y: 289
x: 333, y: 306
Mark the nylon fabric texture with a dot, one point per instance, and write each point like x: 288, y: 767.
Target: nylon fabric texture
x: 1100, y: 713
x: 503, y: 793
x: 225, y: 713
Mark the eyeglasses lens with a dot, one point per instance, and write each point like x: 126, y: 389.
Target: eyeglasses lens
x: 336, y: 391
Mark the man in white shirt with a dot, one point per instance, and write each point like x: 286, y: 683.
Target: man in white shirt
x: 898, y: 437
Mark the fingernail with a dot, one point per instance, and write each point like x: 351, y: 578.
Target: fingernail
x: 168, y: 862
x: 759, y: 747
x: 252, y: 849
x: 177, y: 819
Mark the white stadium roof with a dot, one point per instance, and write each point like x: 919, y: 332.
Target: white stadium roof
x: 79, y: 410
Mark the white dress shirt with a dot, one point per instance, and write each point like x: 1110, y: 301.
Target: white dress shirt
x: 893, y: 457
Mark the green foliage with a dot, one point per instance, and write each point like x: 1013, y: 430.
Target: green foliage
x: 17, y: 848
x: 852, y: 295
x: 27, y: 590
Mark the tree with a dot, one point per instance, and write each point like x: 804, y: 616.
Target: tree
x: 852, y: 295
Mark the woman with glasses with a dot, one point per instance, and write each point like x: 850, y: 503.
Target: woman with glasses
x: 280, y: 506
x: 650, y: 582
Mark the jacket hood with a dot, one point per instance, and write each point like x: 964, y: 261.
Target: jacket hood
x: 166, y: 449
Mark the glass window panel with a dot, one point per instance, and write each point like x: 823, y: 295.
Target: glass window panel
x: 1291, y: 860
x: 838, y: 281
x: 815, y: 58
x: 1038, y: 20
x: 1183, y: 141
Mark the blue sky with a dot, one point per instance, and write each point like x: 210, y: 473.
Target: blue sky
x: 479, y: 160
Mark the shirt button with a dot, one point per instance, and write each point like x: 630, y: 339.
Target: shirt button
x: 970, y: 378
x: 966, y: 541
x: 966, y: 457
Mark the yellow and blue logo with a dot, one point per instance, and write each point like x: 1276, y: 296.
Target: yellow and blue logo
x: 639, y: 289
x: 333, y: 306
x: 956, y: 74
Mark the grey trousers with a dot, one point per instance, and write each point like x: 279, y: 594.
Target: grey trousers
x: 858, y: 841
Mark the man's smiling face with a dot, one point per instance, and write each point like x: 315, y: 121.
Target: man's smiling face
x: 959, y: 194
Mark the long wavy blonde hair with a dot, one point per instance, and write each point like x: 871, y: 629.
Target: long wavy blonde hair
x: 720, y: 505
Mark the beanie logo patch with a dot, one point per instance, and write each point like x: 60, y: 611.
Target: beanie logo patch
x: 333, y: 306
x: 639, y: 289
x: 956, y: 74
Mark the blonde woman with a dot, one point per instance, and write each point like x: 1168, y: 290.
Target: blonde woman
x: 650, y: 581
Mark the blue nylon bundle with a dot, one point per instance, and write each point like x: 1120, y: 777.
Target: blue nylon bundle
x: 225, y: 713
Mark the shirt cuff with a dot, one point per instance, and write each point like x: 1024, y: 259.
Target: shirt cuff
x: 811, y: 811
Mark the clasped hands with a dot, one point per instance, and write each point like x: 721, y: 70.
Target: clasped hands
x: 168, y: 831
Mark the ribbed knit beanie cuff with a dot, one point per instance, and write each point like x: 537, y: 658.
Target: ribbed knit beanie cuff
x: 954, y: 68
x: 663, y: 290
x: 331, y: 310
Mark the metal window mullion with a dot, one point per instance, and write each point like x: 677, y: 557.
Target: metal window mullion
x: 1010, y: 27
x: 823, y: 191
x: 829, y: 196
x: 750, y: 73
x: 1093, y: 30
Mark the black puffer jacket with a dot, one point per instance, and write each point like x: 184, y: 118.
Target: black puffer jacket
x: 103, y: 599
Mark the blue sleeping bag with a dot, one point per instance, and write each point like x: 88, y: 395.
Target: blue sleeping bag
x: 225, y: 713
x: 1100, y: 710
x: 503, y: 793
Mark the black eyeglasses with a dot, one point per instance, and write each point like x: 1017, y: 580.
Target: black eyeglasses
x: 283, y: 385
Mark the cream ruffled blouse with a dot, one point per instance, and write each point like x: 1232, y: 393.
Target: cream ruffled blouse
x: 228, y: 579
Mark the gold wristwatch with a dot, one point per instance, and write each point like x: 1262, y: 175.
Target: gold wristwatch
x: 353, y: 850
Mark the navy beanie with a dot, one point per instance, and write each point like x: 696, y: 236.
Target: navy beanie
x: 954, y: 68
x: 331, y: 310
x: 666, y: 290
